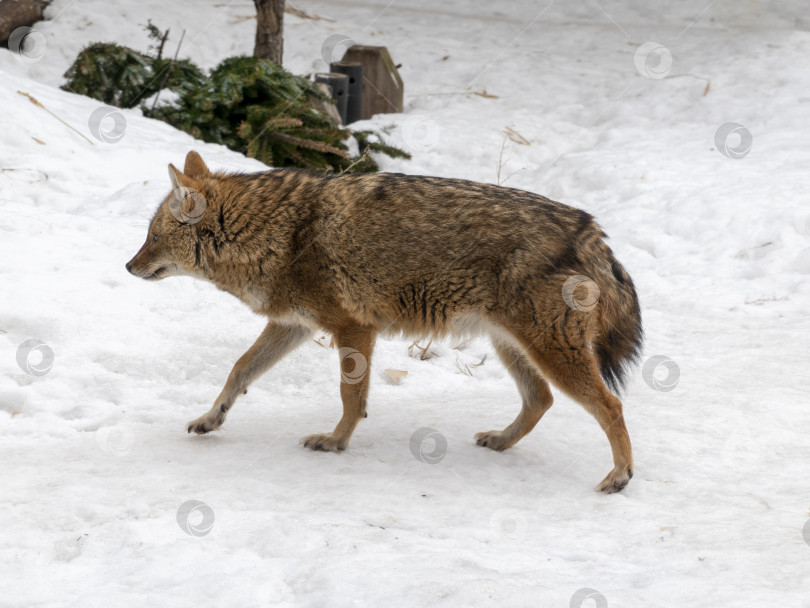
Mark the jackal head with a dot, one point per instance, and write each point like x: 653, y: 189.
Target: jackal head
x: 171, y: 246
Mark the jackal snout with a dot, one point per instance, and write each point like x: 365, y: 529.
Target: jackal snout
x: 144, y: 264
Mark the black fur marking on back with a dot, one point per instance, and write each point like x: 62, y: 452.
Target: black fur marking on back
x: 222, y: 220
x: 424, y: 304
x: 568, y: 259
x: 433, y: 312
x: 585, y: 220
x: 379, y: 192
x: 617, y: 271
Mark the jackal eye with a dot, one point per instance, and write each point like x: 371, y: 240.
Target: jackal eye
x: 154, y: 238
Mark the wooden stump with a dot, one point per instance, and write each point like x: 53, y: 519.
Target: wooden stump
x: 19, y: 13
x: 339, y: 87
x: 382, y: 85
x: 328, y: 108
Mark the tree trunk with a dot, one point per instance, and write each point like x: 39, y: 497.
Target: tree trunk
x: 269, y: 29
x: 17, y: 13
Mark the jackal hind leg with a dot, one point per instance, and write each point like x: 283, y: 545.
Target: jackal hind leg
x: 534, y: 391
x: 575, y: 371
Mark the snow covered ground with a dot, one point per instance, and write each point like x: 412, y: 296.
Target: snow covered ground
x: 97, y: 470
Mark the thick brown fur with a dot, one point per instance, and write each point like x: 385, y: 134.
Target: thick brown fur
x: 363, y: 255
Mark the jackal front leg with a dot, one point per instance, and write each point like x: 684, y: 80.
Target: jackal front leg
x: 355, y: 344
x: 274, y: 342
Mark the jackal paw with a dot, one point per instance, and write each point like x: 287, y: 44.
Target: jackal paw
x: 210, y: 421
x: 323, y: 442
x: 615, y: 481
x: 494, y: 440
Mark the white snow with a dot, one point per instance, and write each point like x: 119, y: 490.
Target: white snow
x: 95, y: 459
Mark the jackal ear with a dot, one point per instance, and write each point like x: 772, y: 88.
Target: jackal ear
x: 195, y: 166
x: 180, y: 180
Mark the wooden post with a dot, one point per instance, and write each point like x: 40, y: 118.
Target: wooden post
x: 382, y: 86
x: 354, y: 71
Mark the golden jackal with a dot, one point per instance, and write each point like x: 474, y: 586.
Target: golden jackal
x: 361, y: 255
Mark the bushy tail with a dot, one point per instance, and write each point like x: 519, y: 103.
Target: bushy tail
x: 618, y: 344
